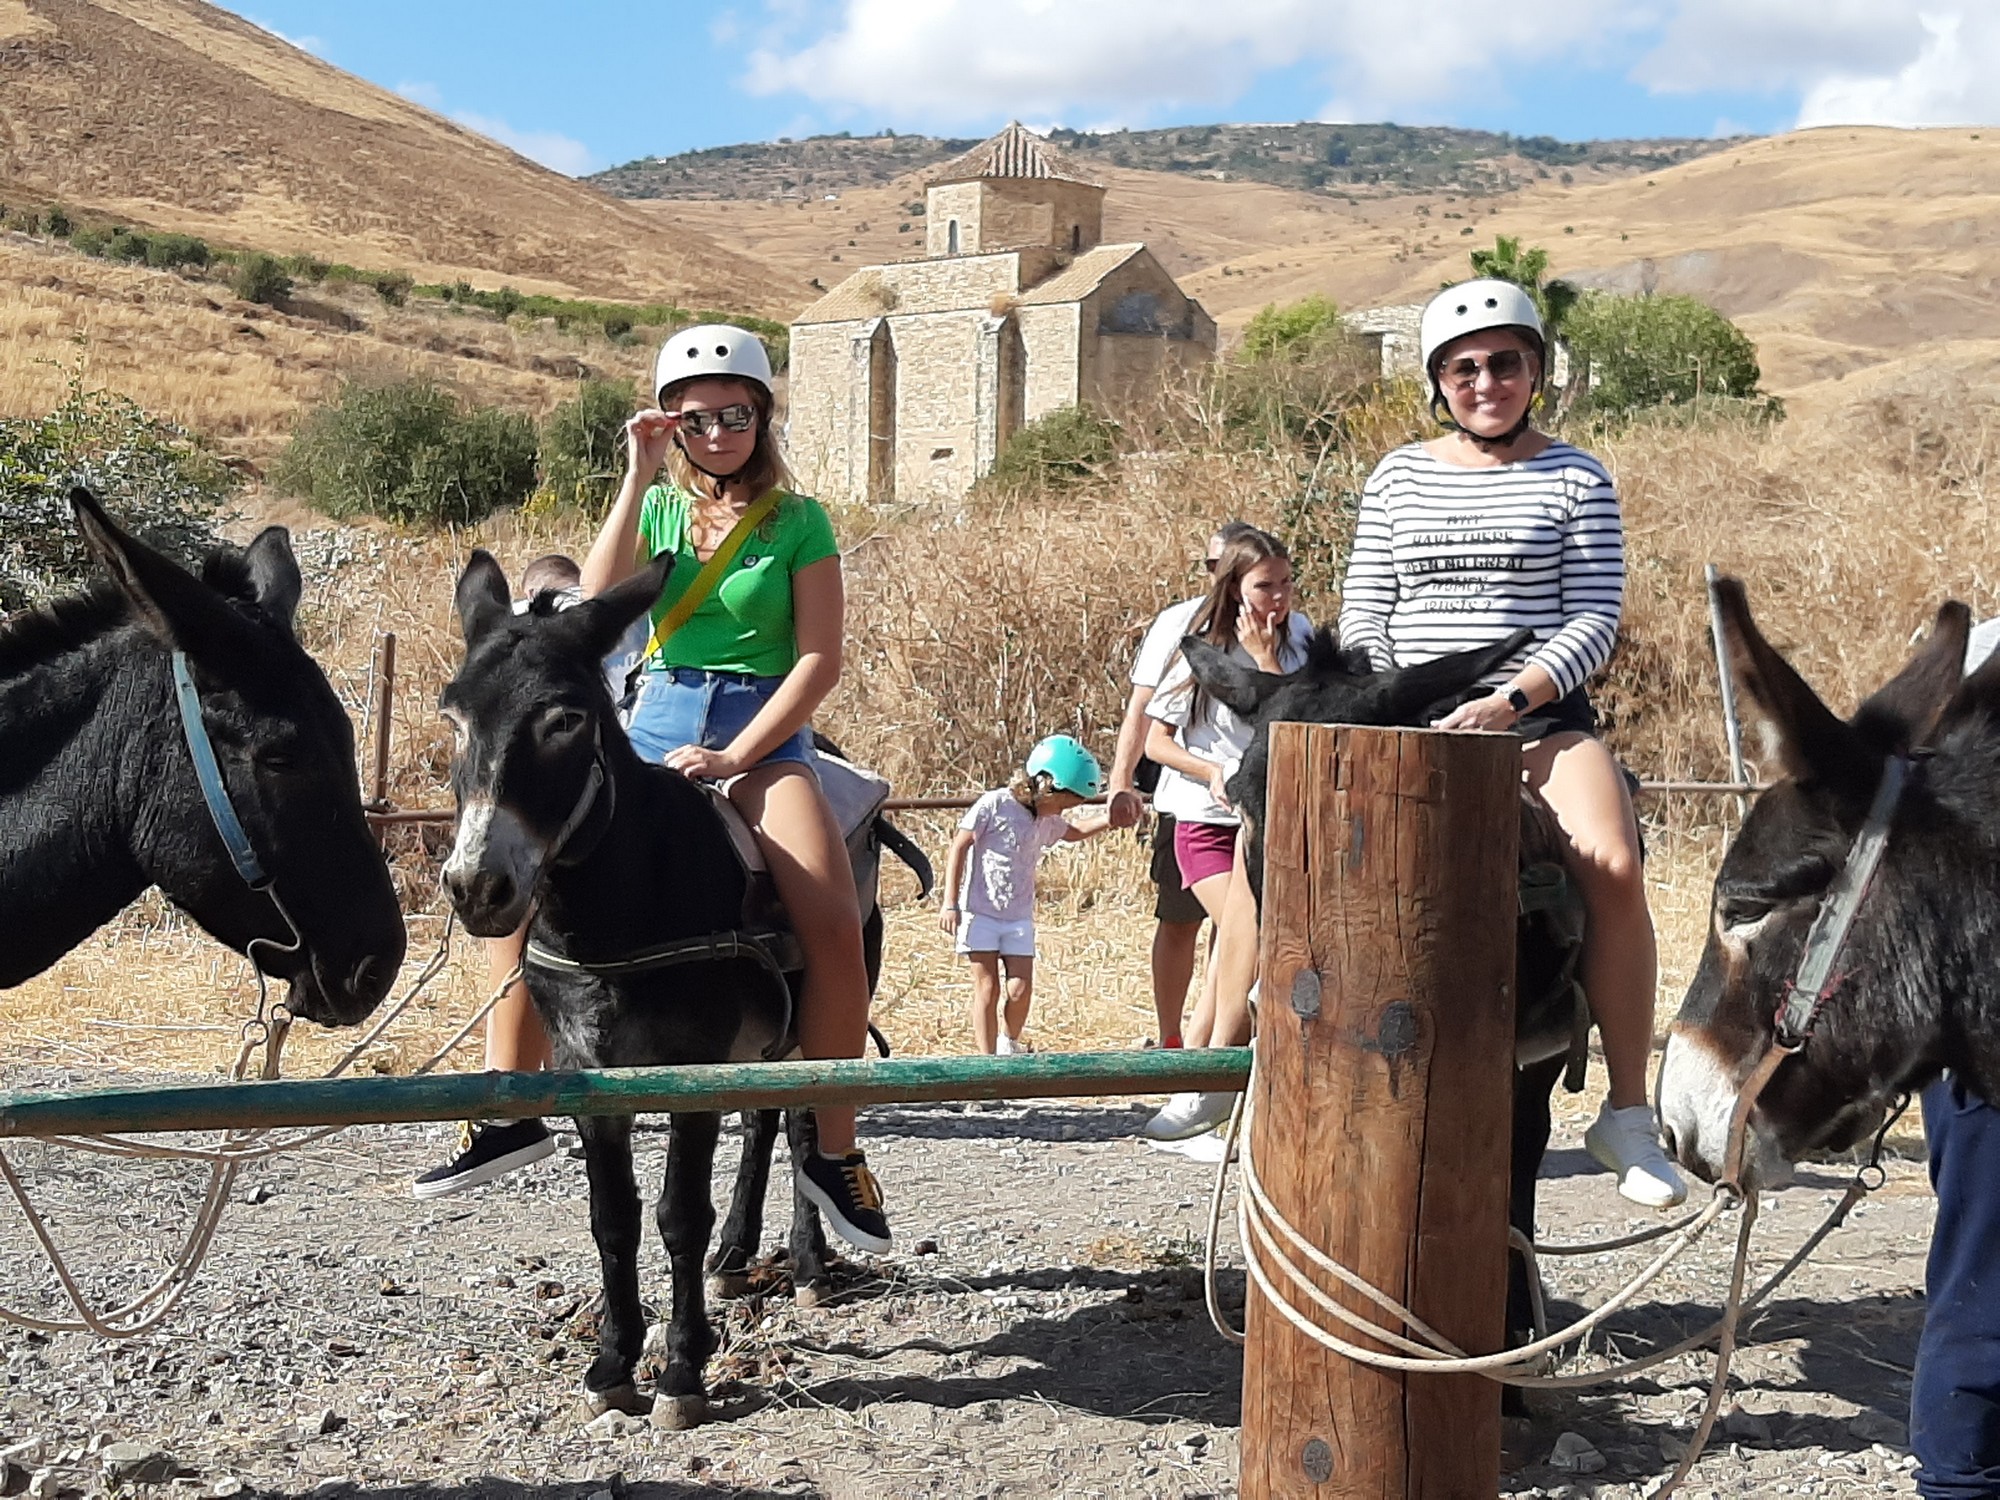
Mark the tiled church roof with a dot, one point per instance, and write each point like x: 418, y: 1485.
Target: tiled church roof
x: 1015, y: 152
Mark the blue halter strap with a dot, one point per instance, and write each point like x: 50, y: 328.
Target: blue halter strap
x: 209, y: 774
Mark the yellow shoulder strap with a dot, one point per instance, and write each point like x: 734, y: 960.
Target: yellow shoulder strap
x: 711, y: 571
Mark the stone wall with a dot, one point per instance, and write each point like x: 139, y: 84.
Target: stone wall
x: 1005, y: 213
x: 1051, y: 335
x: 937, y: 405
x: 1137, y: 328
x: 826, y: 431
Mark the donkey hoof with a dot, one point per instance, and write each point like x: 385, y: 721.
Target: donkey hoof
x: 626, y: 1398
x: 679, y: 1413
x: 812, y: 1294
x: 728, y: 1286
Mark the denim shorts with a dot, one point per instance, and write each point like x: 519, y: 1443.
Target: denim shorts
x: 680, y: 706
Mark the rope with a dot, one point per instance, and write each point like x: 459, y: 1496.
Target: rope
x: 1273, y: 1248
x: 146, y: 1310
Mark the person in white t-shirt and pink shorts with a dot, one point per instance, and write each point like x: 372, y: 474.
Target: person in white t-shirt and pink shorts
x: 989, y: 879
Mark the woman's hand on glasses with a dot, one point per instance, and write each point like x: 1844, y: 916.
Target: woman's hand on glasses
x: 647, y: 438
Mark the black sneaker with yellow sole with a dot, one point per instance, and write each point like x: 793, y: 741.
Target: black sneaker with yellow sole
x: 486, y: 1151
x: 843, y: 1189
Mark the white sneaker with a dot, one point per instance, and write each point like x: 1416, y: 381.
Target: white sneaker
x: 1207, y: 1147
x: 1185, y: 1115
x: 1627, y: 1142
x: 1010, y: 1046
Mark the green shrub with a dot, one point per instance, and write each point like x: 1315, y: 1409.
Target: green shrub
x: 151, y: 474
x: 306, y: 268
x: 1292, y: 329
x: 1056, y: 451
x: 1656, y: 351
x: 171, y: 252
x: 127, y: 244
x: 56, y: 224
x: 583, y: 447
x: 261, y: 278
x: 408, y: 452
x: 90, y: 241
x: 393, y: 287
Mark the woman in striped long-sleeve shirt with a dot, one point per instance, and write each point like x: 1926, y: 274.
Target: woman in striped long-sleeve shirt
x: 1468, y: 537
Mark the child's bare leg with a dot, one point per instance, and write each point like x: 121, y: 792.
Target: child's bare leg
x: 985, y: 1000
x: 1020, y: 990
x: 1202, y: 1022
x: 515, y: 1040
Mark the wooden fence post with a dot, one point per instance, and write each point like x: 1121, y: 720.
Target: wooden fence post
x: 385, y: 705
x: 1384, y: 1088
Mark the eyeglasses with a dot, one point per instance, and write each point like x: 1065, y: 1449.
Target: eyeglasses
x: 1503, y: 365
x: 741, y: 416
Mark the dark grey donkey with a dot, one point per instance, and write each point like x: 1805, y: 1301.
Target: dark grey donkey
x: 616, y: 858
x: 1339, y: 687
x: 98, y: 790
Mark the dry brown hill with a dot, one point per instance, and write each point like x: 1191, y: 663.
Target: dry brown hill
x: 1855, y: 257
x: 178, y: 115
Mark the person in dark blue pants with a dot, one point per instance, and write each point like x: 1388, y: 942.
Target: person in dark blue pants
x: 1955, y: 1397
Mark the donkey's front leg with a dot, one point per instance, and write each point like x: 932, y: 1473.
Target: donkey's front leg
x: 812, y: 1283
x: 687, y: 1217
x: 743, y: 1228
x: 614, y: 1224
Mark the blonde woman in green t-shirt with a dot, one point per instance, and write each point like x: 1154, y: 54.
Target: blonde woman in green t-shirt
x: 729, y: 694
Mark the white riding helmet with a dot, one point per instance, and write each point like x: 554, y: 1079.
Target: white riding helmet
x: 712, y: 349
x: 1474, y: 307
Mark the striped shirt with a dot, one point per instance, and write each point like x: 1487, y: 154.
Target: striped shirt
x: 1447, y: 558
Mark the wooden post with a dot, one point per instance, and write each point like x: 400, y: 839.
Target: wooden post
x: 385, y: 702
x: 1384, y: 1088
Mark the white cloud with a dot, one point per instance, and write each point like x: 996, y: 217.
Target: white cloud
x: 552, y: 149
x: 1851, y: 62
x: 315, y: 45
x: 945, y: 62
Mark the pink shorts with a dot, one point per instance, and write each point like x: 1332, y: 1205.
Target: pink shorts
x: 1203, y: 850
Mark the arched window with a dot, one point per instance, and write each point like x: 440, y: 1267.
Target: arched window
x: 951, y: 238
x: 1075, y: 238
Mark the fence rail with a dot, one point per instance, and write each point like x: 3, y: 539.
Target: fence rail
x: 620, y: 1091
x: 382, y: 815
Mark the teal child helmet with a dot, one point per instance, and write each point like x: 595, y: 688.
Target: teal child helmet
x: 1071, y: 767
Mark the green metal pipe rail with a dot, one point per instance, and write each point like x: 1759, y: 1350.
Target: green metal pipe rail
x: 619, y: 1091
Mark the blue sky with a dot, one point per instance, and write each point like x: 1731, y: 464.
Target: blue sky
x: 587, y: 84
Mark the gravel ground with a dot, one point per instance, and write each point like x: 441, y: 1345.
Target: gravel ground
x: 1041, y: 1333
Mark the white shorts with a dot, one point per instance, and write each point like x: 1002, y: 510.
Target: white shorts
x: 977, y: 934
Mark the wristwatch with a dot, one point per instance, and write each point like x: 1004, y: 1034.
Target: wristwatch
x: 1517, y: 699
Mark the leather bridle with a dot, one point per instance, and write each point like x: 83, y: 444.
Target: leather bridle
x: 1818, y: 979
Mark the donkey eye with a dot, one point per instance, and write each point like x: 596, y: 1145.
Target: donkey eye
x: 1743, y: 911
x: 560, y: 723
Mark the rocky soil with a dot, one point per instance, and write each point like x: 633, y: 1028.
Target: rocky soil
x: 1040, y: 1332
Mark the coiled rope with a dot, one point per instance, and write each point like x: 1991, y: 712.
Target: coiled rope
x: 1273, y: 1249
x: 265, y: 1031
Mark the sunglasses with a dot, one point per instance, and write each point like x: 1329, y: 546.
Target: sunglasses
x: 741, y: 416
x: 1208, y: 564
x: 1503, y: 365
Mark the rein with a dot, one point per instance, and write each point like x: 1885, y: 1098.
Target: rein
x: 1816, y: 982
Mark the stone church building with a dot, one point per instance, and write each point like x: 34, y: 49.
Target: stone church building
x: 908, y: 378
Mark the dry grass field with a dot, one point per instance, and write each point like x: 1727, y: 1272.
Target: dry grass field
x: 179, y: 115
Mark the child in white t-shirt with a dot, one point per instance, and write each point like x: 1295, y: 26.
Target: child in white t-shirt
x: 989, y: 879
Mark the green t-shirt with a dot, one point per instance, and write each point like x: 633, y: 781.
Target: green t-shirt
x: 745, y: 624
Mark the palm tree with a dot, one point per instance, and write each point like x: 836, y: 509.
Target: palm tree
x: 1527, y: 267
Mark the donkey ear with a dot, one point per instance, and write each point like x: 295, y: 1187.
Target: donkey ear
x: 1904, y: 712
x: 1414, y: 691
x: 274, y: 573
x: 1809, y: 739
x: 600, y: 623
x: 1244, y: 689
x: 178, y: 609
x: 482, y: 596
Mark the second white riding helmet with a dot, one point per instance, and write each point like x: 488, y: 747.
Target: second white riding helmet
x: 712, y: 349
x: 1474, y: 307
